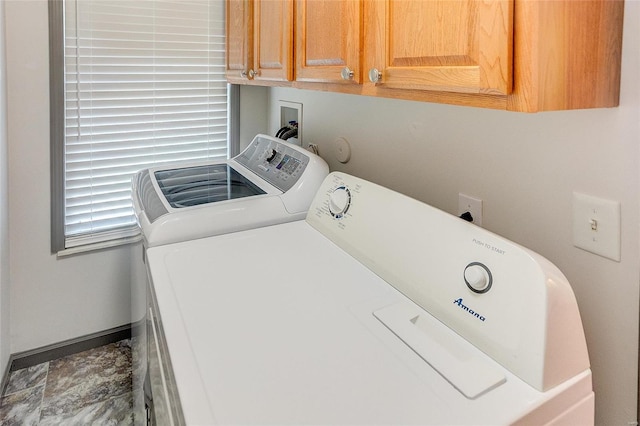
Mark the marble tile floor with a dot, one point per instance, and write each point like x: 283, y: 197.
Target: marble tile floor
x: 88, y: 388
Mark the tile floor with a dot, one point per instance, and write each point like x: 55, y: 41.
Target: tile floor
x: 88, y: 388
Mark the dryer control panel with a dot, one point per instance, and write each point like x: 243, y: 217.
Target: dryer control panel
x: 279, y: 163
x: 488, y: 289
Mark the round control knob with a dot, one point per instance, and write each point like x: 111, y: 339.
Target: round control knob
x: 477, y: 277
x: 339, y: 201
x: 271, y: 155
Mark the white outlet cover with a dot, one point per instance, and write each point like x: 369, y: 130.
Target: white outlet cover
x: 342, y: 149
x: 596, y: 225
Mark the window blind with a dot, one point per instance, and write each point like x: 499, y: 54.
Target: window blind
x: 144, y: 85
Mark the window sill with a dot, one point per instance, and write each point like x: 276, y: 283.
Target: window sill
x: 85, y: 248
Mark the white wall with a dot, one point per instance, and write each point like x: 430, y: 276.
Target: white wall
x: 51, y: 299
x: 4, y: 213
x: 524, y: 167
x: 253, y: 113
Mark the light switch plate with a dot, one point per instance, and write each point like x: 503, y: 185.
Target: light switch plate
x: 596, y: 225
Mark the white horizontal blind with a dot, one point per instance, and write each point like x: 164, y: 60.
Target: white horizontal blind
x: 144, y: 85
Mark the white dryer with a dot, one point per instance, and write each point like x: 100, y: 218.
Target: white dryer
x: 270, y: 182
x: 377, y: 309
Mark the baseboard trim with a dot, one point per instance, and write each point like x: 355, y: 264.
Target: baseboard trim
x: 68, y: 347
x: 5, y: 377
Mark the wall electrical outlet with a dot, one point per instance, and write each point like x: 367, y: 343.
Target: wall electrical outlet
x: 472, y: 205
x: 596, y: 225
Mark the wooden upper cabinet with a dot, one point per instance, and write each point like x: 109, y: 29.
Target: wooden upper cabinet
x: 239, y: 39
x: 273, y: 40
x: 259, y: 41
x: 328, y: 41
x: 567, y: 55
x: 441, y: 45
x: 518, y: 55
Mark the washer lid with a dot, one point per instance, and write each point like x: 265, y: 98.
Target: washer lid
x: 190, y: 186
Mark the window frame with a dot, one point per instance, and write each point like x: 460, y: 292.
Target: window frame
x: 57, y: 137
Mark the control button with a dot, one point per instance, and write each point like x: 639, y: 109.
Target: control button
x: 478, y: 277
x: 339, y: 201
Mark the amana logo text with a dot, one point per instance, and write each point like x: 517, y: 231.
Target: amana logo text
x: 466, y: 308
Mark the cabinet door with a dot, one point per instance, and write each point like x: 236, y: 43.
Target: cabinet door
x: 273, y: 40
x: 444, y: 45
x: 239, y: 39
x: 328, y: 41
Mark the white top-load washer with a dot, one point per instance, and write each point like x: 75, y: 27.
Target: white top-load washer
x: 377, y: 309
x: 270, y: 182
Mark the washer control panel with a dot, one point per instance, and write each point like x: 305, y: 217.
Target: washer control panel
x: 275, y: 161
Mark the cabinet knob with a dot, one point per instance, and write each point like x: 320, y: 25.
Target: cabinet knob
x: 243, y: 73
x: 375, y: 75
x: 253, y: 74
x: 346, y: 73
